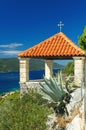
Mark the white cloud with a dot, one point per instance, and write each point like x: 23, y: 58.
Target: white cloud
x: 7, y: 50
x: 12, y: 52
x: 11, y: 45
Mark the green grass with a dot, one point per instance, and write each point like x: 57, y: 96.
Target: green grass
x: 28, y: 113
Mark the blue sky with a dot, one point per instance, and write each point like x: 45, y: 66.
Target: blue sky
x: 24, y: 23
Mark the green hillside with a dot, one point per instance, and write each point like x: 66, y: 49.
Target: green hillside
x: 9, y: 64
x: 12, y: 64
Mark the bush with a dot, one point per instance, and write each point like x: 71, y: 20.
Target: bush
x: 28, y: 113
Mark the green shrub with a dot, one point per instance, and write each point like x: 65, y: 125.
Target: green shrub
x: 28, y: 113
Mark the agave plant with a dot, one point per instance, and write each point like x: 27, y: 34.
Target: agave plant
x: 56, y: 93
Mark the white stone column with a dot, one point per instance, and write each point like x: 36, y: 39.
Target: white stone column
x: 48, y: 68
x: 24, y: 70
x: 85, y: 94
x: 78, y: 70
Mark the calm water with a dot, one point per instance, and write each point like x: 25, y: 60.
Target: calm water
x: 10, y: 81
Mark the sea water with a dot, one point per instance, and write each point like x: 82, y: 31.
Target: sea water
x: 9, y: 81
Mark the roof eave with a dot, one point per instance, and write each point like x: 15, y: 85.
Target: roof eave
x: 54, y: 57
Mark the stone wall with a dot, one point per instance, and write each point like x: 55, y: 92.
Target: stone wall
x: 34, y: 85
x: 31, y: 85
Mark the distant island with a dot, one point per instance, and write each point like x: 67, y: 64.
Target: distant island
x: 12, y: 64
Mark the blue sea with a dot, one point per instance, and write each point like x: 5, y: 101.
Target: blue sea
x: 9, y: 81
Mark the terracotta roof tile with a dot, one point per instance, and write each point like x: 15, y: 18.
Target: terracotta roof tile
x: 58, y: 45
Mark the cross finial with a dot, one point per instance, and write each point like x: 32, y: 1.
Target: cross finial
x: 60, y: 25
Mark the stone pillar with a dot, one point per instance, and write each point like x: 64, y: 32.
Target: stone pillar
x: 85, y: 95
x: 78, y: 70
x: 24, y: 70
x: 48, y: 68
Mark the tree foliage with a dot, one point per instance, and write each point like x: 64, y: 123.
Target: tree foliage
x: 69, y: 69
x: 82, y: 40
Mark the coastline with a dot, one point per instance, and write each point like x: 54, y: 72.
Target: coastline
x: 9, y: 92
x: 9, y: 81
x: 5, y: 95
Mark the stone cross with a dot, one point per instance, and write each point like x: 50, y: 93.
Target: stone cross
x: 60, y: 25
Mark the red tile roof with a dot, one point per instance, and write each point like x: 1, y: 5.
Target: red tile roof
x: 58, y: 45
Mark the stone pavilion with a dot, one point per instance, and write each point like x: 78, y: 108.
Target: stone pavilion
x: 57, y: 47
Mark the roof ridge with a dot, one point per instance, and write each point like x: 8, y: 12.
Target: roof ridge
x: 71, y: 42
x: 56, y: 45
x: 43, y: 41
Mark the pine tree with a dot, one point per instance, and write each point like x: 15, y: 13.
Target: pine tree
x: 82, y: 40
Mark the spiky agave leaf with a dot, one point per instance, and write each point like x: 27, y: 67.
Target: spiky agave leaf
x: 56, y: 90
x: 62, y: 92
x: 60, y: 81
x: 67, y: 84
x: 56, y: 87
x: 52, y: 94
x: 56, y: 93
x: 46, y: 96
x: 52, y: 89
x: 46, y: 86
